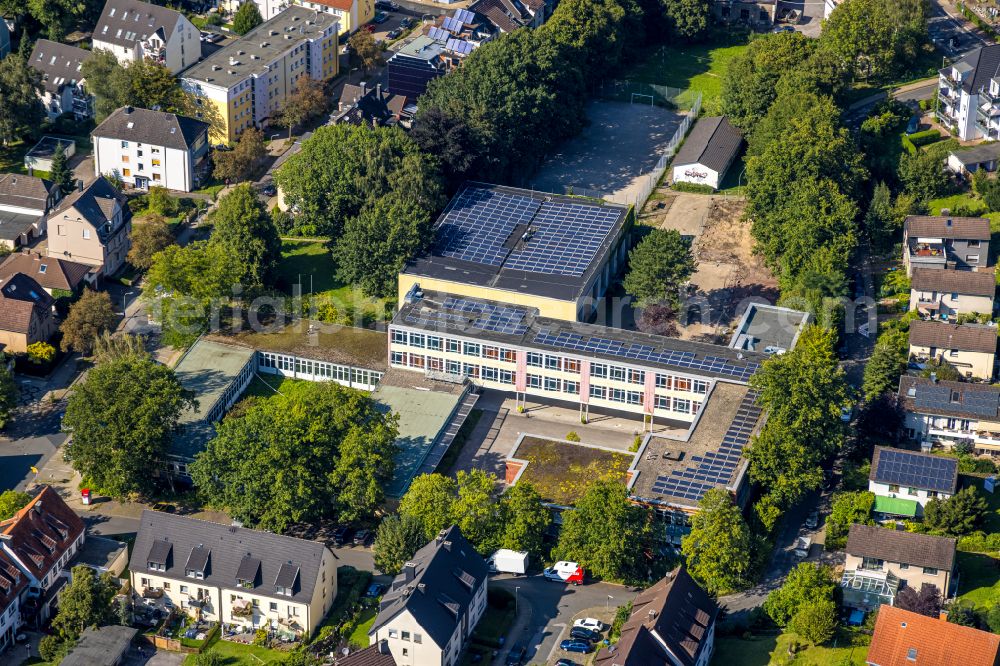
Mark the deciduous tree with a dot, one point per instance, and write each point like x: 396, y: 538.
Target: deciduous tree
x: 848, y: 509
x: 816, y: 621
x: 86, y: 602
x: 238, y: 164
x: 525, y: 518
x: 806, y: 582
x: 244, y: 230
x: 149, y: 237
x: 887, y: 363
x: 247, y: 18
x: 88, y: 317
x: 307, y: 101
x: 20, y: 108
x: 8, y: 394
x: 429, y: 501
x: 142, y: 83
x: 12, y: 501
x: 927, y: 601
x: 658, y: 266
x: 689, y: 18
x: 719, y: 549
x: 396, y: 540
x: 364, y: 50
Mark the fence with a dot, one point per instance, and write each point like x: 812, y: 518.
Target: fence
x: 638, y: 92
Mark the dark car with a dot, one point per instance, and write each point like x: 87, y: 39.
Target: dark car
x: 380, y: 17
x: 269, y: 190
x: 406, y: 23
x: 582, y: 647
x: 565, y: 662
x: 340, y: 534
x: 394, y: 33
x: 516, y: 655
x: 584, y: 634
x: 368, y: 27
x: 375, y: 590
x: 362, y: 537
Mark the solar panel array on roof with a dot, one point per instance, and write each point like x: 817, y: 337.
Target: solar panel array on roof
x: 903, y: 468
x: 640, y: 352
x: 715, y: 468
x: 984, y: 403
x: 465, y: 16
x: 572, y: 234
x: 474, y: 315
x: 478, y: 222
x: 459, y: 46
x: 439, y: 34
x: 452, y: 24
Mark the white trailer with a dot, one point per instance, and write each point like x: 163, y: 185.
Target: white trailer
x: 508, y: 561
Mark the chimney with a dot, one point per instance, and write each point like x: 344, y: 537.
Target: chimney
x: 383, y: 646
x: 364, y: 87
x: 378, y: 90
x: 128, y: 110
x: 409, y: 571
x: 447, y: 545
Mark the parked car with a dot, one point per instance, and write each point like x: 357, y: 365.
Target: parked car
x: 368, y: 27
x: 580, y: 633
x: 406, y: 23
x: 565, y: 572
x: 566, y: 662
x: 375, y: 590
x: 582, y: 647
x: 269, y: 190
x: 380, y: 17
x: 812, y: 522
x: 516, y: 655
x: 340, y: 534
x: 394, y: 33
x: 362, y: 537
x: 589, y: 623
x: 387, y: 5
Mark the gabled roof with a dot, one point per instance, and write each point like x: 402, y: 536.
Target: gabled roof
x: 675, y: 614
x: 49, y: 272
x: 963, y: 337
x: 59, y: 64
x: 923, y: 395
x: 342, y: 5
x: 125, y: 22
x: 436, y: 586
x: 944, y: 226
x: 985, y: 62
x: 905, y: 638
x: 231, y: 553
x: 373, y: 655
x: 922, y: 550
x: 12, y: 581
x: 21, y: 298
x: 20, y: 191
x: 713, y: 143
x: 947, y: 280
x: 157, y: 128
x: 506, y: 15
x: 42, y: 532
x: 97, y: 204
x: 914, y: 469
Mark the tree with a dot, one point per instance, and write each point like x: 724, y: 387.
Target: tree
x: 149, y: 237
x: 607, y: 534
x: 52, y: 648
x: 926, y: 602
x: 41, y: 352
x: 718, y: 549
x: 689, y: 18
x: 141, y: 83
x: 658, y: 266
x: 958, y: 515
x: 8, y: 395
x: 108, y: 347
x: 794, y: 105
x: 476, y: 510
x: 451, y: 140
x: 321, y: 450
x: 429, y: 501
x: 525, y: 519
x: 923, y: 174
x: 12, y: 501
x: 848, y: 509
x: 56, y: 16
x: 816, y: 621
x: 396, y: 540
x: 20, y: 109
x: 247, y: 18
x: 875, y: 40
x: 888, y: 361
x: 86, y: 602
x: 364, y: 50
x: 88, y: 317
x: 242, y: 227
x: 806, y: 582
x: 238, y: 164
x: 821, y: 74
x: 803, y: 392
x: 882, y: 221
x: 123, y: 415
x: 60, y: 173
x: 307, y: 101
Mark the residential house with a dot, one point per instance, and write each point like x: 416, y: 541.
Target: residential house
x: 970, y: 348
x: 93, y: 226
x: 905, y: 638
x: 365, y: 105
x: 967, y: 160
x: 25, y: 202
x: 431, y: 608
x: 245, y: 83
x: 349, y: 14
x: 905, y: 481
x: 41, y: 540
x: 944, y: 413
x: 969, y: 95
x: 672, y: 623
x: 509, y: 15
x: 946, y: 293
x: 61, y: 67
x: 755, y: 14
x: 941, y: 241
x: 26, y: 315
x: 12, y: 584
x: 707, y: 153
x: 56, y: 276
x: 135, y: 30
x: 880, y: 561
x: 152, y: 148
x: 234, y: 575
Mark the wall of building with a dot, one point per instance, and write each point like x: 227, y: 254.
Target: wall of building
x: 286, y: 365
x: 952, y: 303
x: 408, y: 643
x: 161, y: 166
x: 973, y: 364
x: 697, y: 174
x: 918, y: 495
x: 913, y: 576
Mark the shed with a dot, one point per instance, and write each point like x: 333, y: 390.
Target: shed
x: 105, y: 646
x: 970, y: 159
x: 707, y: 153
x: 40, y: 156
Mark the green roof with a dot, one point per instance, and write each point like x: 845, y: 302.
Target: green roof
x: 895, y: 506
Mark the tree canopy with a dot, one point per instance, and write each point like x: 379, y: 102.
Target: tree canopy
x: 246, y: 233
x: 958, y: 515
x: 149, y: 237
x: 720, y: 549
x: 848, y: 509
x: 247, y: 18
x: 525, y: 518
x: 12, y: 501
x: 8, y: 394
x: 238, y: 164
x: 658, y: 266
x: 88, y: 318
x: 140, y: 83
x: 20, y: 108
x: 86, y: 602
x: 396, y: 540
x: 806, y: 582
x: 873, y: 39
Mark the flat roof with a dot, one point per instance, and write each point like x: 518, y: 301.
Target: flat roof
x: 104, y: 646
x: 680, y: 471
x: 253, y: 52
x: 521, y: 326
x: 47, y: 145
x: 12, y: 225
x: 984, y: 152
x: 562, y: 471
x: 422, y: 47
x: 520, y: 240
x: 423, y: 416
x: 100, y: 552
x: 769, y: 328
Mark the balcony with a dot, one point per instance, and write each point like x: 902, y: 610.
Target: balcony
x: 928, y: 254
x: 242, y: 608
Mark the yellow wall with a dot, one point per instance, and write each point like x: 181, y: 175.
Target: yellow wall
x: 547, y: 307
x: 980, y: 364
x: 366, y: 11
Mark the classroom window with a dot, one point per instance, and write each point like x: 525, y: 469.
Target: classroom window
x: 663, y: 381
x: 599, y: 370
x: 571, y: 387
x: 617, y: 373
x: 571, y: 365
x: 470, y: 349
x: 551, y: 384
x: 534, y: 381
x: 454, y: 346
x: 597, y: 392
x: 534, y: 359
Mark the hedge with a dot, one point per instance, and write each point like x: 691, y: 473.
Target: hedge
x: 692, y: 187
x: 925, y: 137
x: 979, y: 542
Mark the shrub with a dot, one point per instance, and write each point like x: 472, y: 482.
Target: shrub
x: 41, y: 352
x: 260, y: 638
x: 571, y: 436
x: 636, y: 443
x: 979, y: 542
x: 924, y: 138
x: 694, y: 188
x: 52, y: 648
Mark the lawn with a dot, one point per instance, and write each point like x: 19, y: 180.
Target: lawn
x: 762, y: 650
x: 979, y: 578
x: 359, y: 637
x: 694, y: 68
x: 238, y: 653
x: 562, y: 471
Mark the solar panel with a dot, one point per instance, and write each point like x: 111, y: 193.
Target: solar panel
x: 459, y: 46
x: 478, y: 222
x: 984, y: 403
x: 571, y: 236
x: 465, y: 16
x: 439, y: 34
x: 911, y: 470
x: 452, y: 24
x: 490, y: 317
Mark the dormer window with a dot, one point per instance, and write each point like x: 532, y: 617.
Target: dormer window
x: 197, y: 563
x: 249, y: 570
x: 159, y: 556
x: 287, y: 580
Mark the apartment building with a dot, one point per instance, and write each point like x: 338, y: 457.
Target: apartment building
x: 882, y: 561
x: 349, y: 14
x: 968, y: 96
x: 246, y: 83
x: 946, y: 293
x: 942, y: 241
x: 234, y: 575
x: 970, y: 348
x: 61, y: 67
x: 136, y: 31
x: 903, y: 482
x: 431, y: 608
x: 12, y: 583
x: 25, y: 203
x: 944, y: 413
x: 151, y: 149
x: 92, y: 226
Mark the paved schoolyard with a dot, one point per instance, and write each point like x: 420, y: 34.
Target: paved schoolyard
x: 622, y: 142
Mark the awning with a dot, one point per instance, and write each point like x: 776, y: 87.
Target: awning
x: 895, y: 506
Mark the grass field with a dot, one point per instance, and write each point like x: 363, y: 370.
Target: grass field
x: 692, y: 67
x: 979, y: 580
x: 311, y: 264
x: 238, y: 653
x: 359, y: 637
x: 762, y: 650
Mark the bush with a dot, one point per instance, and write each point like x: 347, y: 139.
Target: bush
x: 52, y: 648
x: 692, y: 187
x: 924, y: 138
x: 571, y: 436
x: 260, y: 638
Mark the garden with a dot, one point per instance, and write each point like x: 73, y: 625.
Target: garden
x: 351, y: 615
x: 562, y: 471
x: 490, y: 634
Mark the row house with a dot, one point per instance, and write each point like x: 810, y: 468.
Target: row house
x: 969, y: 348
x: 946, y: 293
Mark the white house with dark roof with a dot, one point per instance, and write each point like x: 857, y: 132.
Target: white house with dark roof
x: 969, y: 95
x: 707, y: 152
x: 903, y: 481
x: 945, y: 293
x: 61, y: 67
x: 234, y: 575
x: 432, y: 607
x: 944, y: 413
x: 92, y: 226
x: 970, y: 348
x: 151, y: 148
x: 135, y: 30
x: 25, y: 203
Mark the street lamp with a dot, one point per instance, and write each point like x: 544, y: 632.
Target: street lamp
x: 124, y: 305
x: 516, y: 588
x: 607, y: 602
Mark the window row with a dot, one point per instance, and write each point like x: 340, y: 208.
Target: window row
x: 435, y: 343
x: 322, y: 369
x: 553, y: 384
